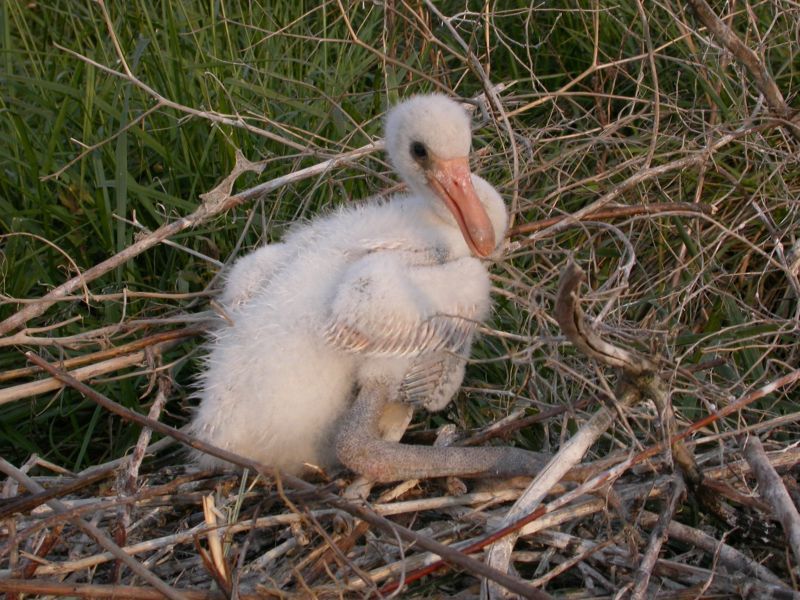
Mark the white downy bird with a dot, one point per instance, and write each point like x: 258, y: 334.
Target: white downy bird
x: 372, y: 304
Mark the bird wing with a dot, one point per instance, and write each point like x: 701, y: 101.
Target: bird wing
x: 400, y: 337
x: 433, y: 379
x: 250, y: 273
x: 386, y: 307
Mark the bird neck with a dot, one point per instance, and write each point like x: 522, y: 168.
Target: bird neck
x: 429, y: 204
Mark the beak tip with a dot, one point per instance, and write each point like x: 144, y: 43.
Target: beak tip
x: 484, y: 246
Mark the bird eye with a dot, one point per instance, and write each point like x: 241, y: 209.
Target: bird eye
x: 418, y: 151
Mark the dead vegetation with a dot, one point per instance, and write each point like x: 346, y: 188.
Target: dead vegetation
x: 665, y: 384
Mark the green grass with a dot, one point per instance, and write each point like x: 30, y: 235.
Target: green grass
x: 700, y: 288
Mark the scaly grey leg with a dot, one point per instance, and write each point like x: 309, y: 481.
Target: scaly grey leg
x: 359, y: 447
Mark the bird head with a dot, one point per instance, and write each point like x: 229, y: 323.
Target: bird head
x: 428, y: 140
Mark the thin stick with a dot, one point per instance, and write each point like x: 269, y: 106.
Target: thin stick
x: 87, y: 590
x: 772, y: 490
x: 728, y: 555
x: 78, y: 361
x: 28, y: 502
x: 209, y: 209
x: 183, y: 537
x: 693, y: 159
x: 528, y: 504
x: 49, y: 384
x: 617, y: 212
x: 749, y: 60
x: 657, y: 539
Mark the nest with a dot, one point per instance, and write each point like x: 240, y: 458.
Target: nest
x: 265, y: 535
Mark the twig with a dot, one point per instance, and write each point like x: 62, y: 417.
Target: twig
x: 56, y: 248
x: 785, y: 458
x: 214, y: 559
x: 29, y: 567
x: 749, y: 60
x: 134, y: 222
x: 87, y: 590
x: 499, y: 554
x: 127, y: 479
x: 617, y: 212
x: 369, y: 48
x: 127, y: 75
x: 537, y: 519
x: 583, y: 336
x: 209, y: 208
x: 657, y: 539
x: 783, y: 381
x: 687, y: 574
x: 125, y: 293
x: 651, y: 59
x: 89, y: 149
x: 639, y: 370
x: 575, y: 328
x: 771, y: 488
x: 176, y: 334
x: 183, y: 537
x: 505, y: 427
x: 30, y: 501
x: 595, y: 67
x: 728, y: 555
x: 49, y: 384
x: 690, y: 160
x: 101, y: 505
x: 337, y: 550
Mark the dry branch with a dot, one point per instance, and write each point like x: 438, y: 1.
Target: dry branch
x: 657, y: 539
x: 213, y: 205
x: 749, y: 60
x: 152, y: 345
x: 122, y: 592
x: 49, y: 384
x: 771, y: 488
x: 730, y: 557
x: 692, y: 159
x: 94, y: 357
x: 615, y: 212
x: 535, y: 520
x: 29, y: 502
x: 575, y: 329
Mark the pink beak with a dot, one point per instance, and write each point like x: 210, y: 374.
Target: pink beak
x: 452, y: 182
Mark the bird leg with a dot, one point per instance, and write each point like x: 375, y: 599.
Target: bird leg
x: 359, y: 447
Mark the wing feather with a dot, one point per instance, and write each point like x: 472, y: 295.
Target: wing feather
x: 402, y: 338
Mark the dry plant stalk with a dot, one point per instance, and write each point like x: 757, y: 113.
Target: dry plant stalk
x: 657, y: 539
x: 750, y: 61
x: 215, y: 202
x: 772, y: 489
